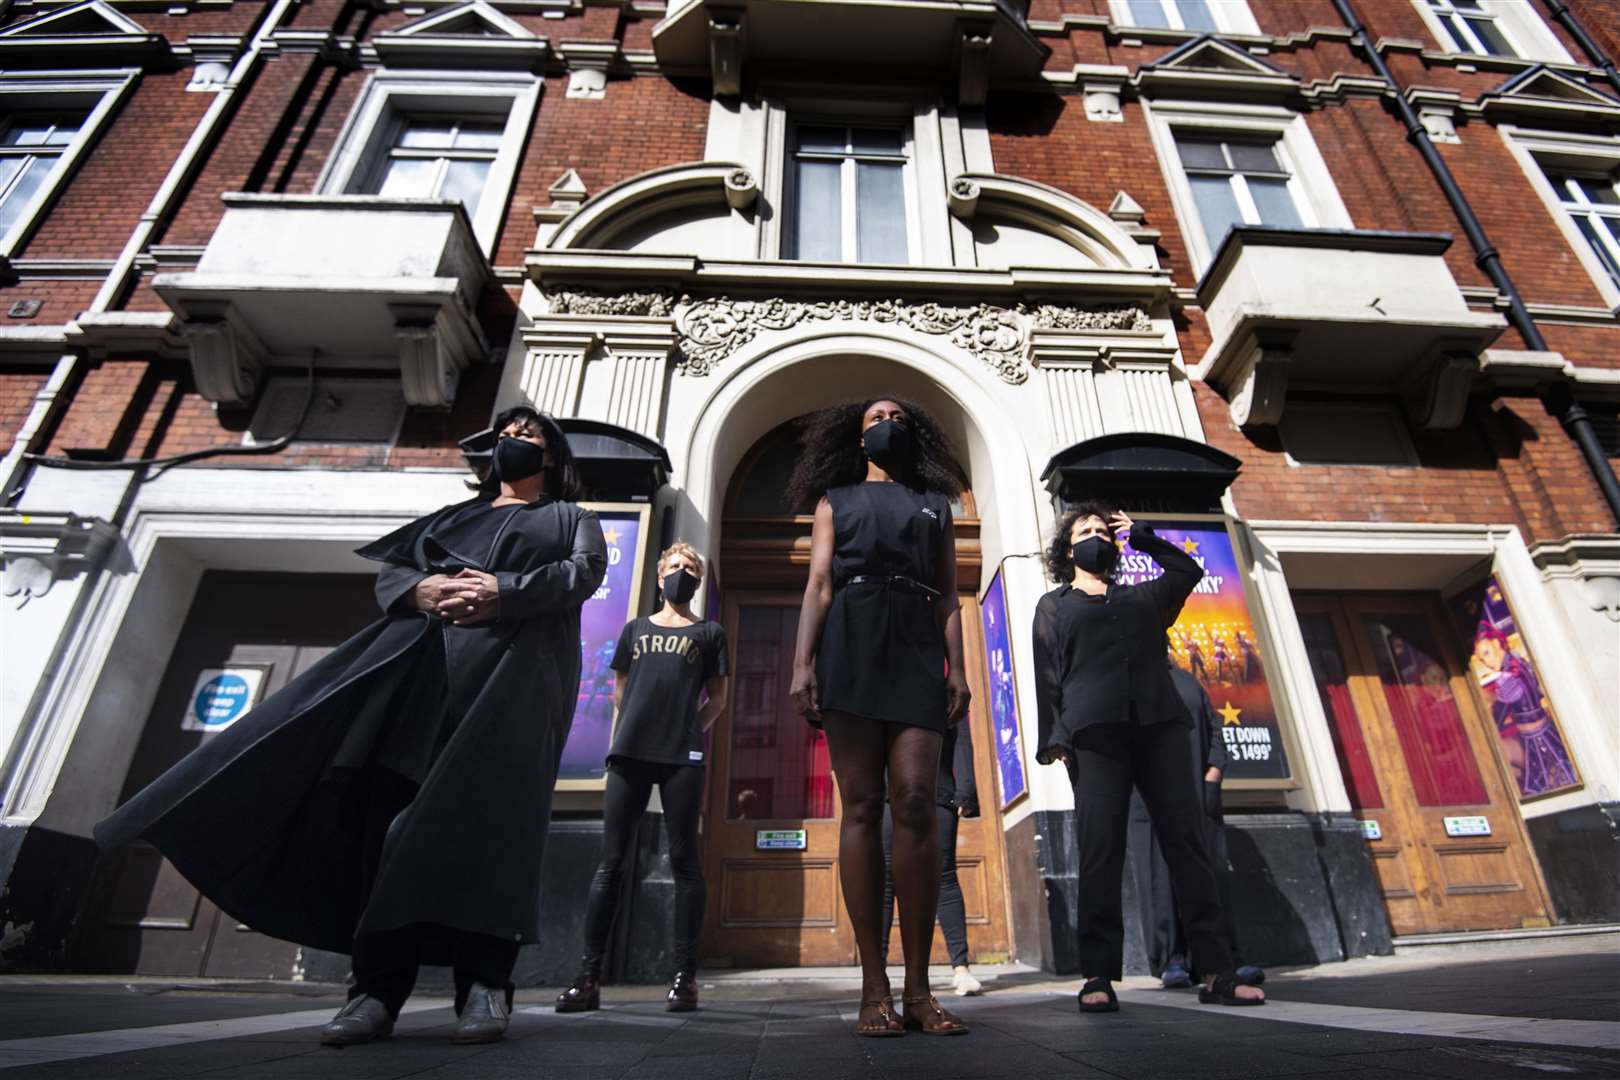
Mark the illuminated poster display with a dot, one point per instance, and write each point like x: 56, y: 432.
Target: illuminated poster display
x: 624, y: 526
x: 1003, y: 696
x: 1215, y: 639
x: 1526, y: 729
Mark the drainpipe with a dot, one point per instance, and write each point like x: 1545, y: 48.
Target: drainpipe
x: 52, y: 401
x: 1566, y: 18
x: 1555, y: 398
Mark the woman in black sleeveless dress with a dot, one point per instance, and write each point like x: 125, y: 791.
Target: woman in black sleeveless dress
x: 879, y: 664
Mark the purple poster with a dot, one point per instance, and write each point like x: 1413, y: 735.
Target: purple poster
x: 600, y: 621
x: 1003, y: 697
x: 1526, y: 729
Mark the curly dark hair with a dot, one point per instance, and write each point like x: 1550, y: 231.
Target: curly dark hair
x: 1059, y: 567
x: 562, y: 479
x: 830, y: 453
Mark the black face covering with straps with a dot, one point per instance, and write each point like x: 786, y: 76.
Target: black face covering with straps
x: 517, y: 459
x: 680, y: 586
x: 889, y: 444
x: 1094, y: 554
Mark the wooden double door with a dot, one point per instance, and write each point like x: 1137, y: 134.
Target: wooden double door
x: 262, y: 629
x: 1416, y: 751
x: 772, y: 819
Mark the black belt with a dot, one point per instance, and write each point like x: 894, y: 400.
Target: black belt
x: 903, y: 582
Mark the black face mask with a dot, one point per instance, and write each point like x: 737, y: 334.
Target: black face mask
x: 889, y: 444
x: 1094, y: 554
x: 517, y: 459
x: 680, y: 586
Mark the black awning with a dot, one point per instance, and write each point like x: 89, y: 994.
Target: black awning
x: 615, y: 463
x: 1142, y: 471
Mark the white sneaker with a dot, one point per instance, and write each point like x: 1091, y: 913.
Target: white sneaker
x: 965, y: 982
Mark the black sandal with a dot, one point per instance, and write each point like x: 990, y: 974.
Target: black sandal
x: 1098, y: 986
x: 1223, y: 991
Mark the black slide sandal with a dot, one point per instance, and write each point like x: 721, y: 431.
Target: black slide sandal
x: 1094, y: 986
x: 1223, y: 991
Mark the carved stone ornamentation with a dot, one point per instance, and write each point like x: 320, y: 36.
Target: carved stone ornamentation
x: 713, y: 328
x: 659, y: 303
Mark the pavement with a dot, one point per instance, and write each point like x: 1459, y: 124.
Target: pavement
x: 1509, y: 1010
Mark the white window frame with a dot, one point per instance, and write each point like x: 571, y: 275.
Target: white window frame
x: 1310, y: 184
x: 1520, y: 24
x: 1590, y: 153
x: 1231, y: 16
x: 390, y: 96
x: 96, y: 93
x: 848, y: 193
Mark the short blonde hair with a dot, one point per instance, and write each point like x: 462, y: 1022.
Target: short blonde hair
x: 681, y: 547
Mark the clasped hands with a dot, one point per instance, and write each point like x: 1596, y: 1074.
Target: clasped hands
x: 465, y: 598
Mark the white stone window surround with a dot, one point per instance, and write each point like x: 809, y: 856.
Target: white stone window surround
x: 942, y: 145
x: 1310, y: 184
x: 1422, y: 556
x: 1536, y: 150
x: 1231, y: 16
x: 1519, y: 23
x: 389, y: 96
x: 96, y: 93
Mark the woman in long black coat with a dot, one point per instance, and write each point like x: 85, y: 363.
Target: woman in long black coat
x: 1108, y: 711
x: 393, y: 801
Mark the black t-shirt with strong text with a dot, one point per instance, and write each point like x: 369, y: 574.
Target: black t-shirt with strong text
x: 667, y: 667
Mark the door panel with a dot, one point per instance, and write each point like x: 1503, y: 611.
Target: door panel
x: 771, y: 773
x: 1451, y: 852
x: 149, y: 920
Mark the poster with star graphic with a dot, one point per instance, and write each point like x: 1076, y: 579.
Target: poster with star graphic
x: 1003, y: 695
x: 1215, y: 639
x: 624, y: 527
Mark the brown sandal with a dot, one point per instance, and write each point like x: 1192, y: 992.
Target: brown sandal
x: 942, y: 1022
x: 891, y: 1028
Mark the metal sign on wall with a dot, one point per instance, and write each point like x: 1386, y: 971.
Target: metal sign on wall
x: 221, y: 697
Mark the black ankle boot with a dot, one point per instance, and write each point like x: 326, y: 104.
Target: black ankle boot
x: 583, y: 996
x: 683, y: 992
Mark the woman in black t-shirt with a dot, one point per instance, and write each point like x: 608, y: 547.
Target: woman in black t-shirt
x: 879, y: 664
x: 662, y: 665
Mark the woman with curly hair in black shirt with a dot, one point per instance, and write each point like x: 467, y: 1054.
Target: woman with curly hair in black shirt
x: 879, y: 665
x: 1109, y: 711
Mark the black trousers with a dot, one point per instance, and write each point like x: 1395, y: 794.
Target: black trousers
x: 629, y: 786
x: 1109, y: 760
x: 385, y: 964
x: 952, y: 913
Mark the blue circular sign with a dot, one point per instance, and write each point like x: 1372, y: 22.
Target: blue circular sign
x: 221, y: 700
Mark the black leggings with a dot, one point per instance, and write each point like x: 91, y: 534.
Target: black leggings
x: 629, y: 785
x: 951, y: 912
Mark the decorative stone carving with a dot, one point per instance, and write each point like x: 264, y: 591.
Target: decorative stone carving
x: 963, y: 196
x: 1063, y: 317
x: 742, y: 189
x: 712, y: 329
x: 659, y: 303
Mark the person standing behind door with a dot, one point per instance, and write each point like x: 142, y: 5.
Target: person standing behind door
x: 1108, y: 710
x: 1162, y: 929
x: 878, y: 663
x: 663, y: 665
x: 393, y: 801
x: 955, y: 796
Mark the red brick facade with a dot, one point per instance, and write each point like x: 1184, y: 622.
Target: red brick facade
x: 1508, y: 462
